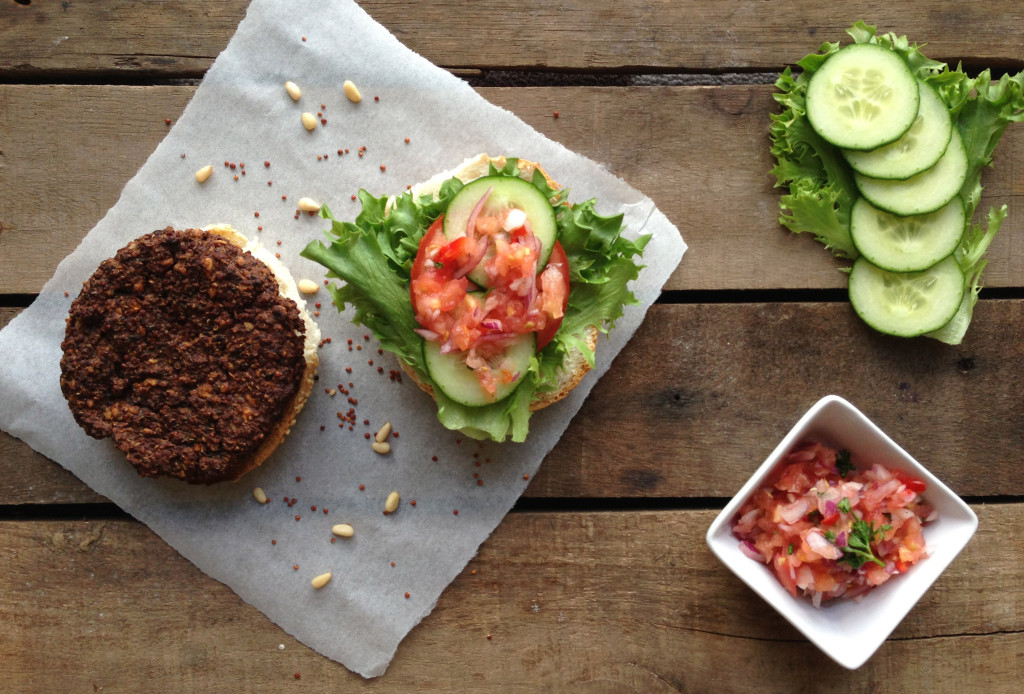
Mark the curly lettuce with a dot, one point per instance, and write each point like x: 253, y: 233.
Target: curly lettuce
x: 821, y: 190
x: 373, y: 258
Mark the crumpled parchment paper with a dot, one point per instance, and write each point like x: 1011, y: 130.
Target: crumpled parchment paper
x: 242, y: 114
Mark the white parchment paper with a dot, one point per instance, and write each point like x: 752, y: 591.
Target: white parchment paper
x: 241, y: 114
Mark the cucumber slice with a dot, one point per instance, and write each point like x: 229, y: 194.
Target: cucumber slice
x: 506, y: 193
x: 906, y: 304
x: 862, y: 97
x: 906, y: 244
x: 918, y: 149
x: 456, y: 380
x: 923, y: 193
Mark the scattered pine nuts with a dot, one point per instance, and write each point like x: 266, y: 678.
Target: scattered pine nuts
x: 382, y: 433
x: 309, y: 205
x: 260, y: 495
x: 307, y: 286
x: 293, y: 90
x: 321, y: 580
x: 352, y: 92
x: 204, y: 173
x: 343, y: 530
x: 308, y: 120
x: 391, y: 505
x: 381, y: 447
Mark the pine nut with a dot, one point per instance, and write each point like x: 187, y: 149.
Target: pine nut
x: 307, y: 286
x: 293, y: 90
x: 308, y: 120
x: 321, y: 580
x: 204, y: 173
x: 352, y: 92
x: 309, y: 205
x: 381, y: 447
x: 391, y: 505
x: 261, y: 496
x: 382, y: 433
x: 343, y: 530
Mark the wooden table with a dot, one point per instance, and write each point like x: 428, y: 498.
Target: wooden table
x: 600, y: 579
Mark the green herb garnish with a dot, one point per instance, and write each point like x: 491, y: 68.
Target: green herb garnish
x: 844, y: 505
x: 858, y: 544
x: 843, y: 464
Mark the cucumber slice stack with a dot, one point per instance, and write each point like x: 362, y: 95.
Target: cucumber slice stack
x: 909, y: 165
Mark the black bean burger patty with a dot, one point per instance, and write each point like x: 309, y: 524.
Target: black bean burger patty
x: 182, y: 349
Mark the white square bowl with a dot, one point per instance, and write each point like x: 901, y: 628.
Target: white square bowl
x: 849, y: 631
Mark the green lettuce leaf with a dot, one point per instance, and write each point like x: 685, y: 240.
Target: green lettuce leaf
x: 820, y: 185
x: 373, y: 258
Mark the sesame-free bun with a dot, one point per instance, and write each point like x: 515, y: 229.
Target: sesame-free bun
x: 575, y: 366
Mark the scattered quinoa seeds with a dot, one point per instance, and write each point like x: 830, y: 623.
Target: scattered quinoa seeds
x: 407, y: 595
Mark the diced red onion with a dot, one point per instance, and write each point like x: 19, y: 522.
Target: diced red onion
x: 428, y: 335
x: 749, y: 550
x: 793, y: 512
x: 473, y: 261
x: 471, y: 224
x: 841, y: 540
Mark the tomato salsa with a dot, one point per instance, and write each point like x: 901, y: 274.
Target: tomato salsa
x: 481, y: 320
x: 830, y: 530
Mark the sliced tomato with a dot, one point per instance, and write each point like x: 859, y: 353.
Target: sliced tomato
x: 560, y: 261
x: 429, y: 239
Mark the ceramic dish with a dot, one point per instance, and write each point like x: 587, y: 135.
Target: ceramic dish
x: 850, y: 631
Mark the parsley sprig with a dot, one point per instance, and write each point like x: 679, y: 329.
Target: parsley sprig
x: 858, y: 544
x: 843, y: 463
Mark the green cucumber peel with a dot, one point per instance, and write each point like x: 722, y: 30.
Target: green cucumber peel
x: 820, y: 188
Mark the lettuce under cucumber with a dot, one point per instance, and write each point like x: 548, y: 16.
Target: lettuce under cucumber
x: 373, y: 256
x: 821, y: 188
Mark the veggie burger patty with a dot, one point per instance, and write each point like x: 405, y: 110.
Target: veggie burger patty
x: 182, y: 349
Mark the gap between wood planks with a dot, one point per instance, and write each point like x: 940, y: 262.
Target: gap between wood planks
x: 110, y: 511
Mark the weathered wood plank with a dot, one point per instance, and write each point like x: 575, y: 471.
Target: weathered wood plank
x: 732, y: 380
x: 597, y: 601
x: 128, y: 36
x: 59, y: 180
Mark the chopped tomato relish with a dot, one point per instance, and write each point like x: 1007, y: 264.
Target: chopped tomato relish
x: 463, y: 317
x: 827, y: 535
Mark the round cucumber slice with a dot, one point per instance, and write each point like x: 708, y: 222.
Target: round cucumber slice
x: 923, y: 193
x: 906, y: 244
x: 906, y: 304
x: 459, y: 382
x: 504, y: 193
x: 862, y: 97
x: 918, y: 149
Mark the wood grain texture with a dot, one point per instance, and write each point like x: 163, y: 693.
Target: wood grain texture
x: 178, y: 37
x: 732, y: 380
x: 596, y: 602
x: 59, y: 180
